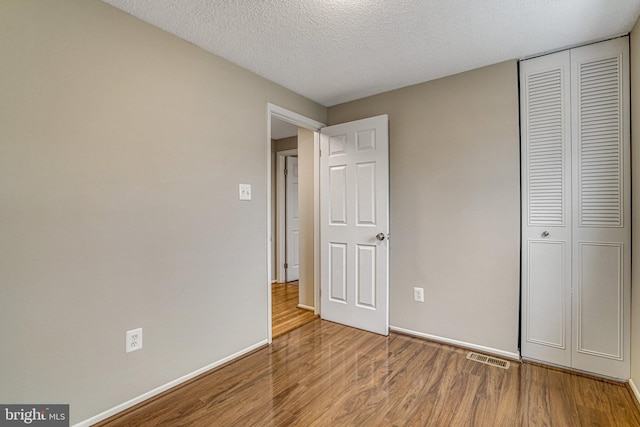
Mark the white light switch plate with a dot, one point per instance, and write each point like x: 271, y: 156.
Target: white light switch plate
x: 418, y: 294
x: 245, y: 191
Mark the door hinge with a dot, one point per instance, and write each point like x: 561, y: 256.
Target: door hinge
x: 286, y: 265
x: 286, y: 172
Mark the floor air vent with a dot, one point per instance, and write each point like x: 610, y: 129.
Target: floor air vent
x: 488, y: 360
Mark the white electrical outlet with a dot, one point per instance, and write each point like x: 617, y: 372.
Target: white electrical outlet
x: 134, y: 340
x: 245, y: 191
x: 418, y: 294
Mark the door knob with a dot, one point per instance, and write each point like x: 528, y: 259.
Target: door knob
x: 545, y: 234
x: 380, y: 236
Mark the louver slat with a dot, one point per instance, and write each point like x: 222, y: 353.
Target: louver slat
x: 545, y: 148
x: 600, y: 143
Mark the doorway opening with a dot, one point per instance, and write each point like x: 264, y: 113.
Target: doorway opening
x: 292, y: 139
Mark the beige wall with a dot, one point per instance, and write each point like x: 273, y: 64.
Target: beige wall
x: 306, y: 197
x: 634, y: 41
x: 285, y: 144
x: 121, y: 151
x: 455, y: 204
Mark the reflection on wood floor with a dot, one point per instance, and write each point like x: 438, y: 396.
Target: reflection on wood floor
x: 325, y: 374
x: 286, y: 316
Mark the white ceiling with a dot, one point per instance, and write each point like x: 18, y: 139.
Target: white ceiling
x: 333, y: 51
x: 281, y: 129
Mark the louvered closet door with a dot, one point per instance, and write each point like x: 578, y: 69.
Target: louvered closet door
x: 546, y: 198
x: 601, y: 208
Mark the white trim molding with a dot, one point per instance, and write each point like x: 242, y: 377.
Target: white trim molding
x: 293, y: 118
x: 634, y: 389
x: 306, y: 307
x: 156, y: 391
x: 316, y: 222
x: 480, y: 348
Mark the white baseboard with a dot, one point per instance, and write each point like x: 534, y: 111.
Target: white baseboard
x: 156, y: 391
x: 636, y: 392
x: 306, y: 307
x: 480, y: 348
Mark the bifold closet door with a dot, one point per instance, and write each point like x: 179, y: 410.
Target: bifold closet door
x: 601, y: 208
x: 546, y: 196
x: 576, y: 208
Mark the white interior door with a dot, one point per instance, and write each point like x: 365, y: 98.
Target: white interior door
x: 354, y: 224
x: 292, y: 227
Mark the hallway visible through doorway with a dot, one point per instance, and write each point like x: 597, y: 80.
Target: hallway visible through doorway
x: 286, y: 315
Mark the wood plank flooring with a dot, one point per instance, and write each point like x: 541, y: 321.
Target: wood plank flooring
x: 325, y: 374
x: 285, y: 314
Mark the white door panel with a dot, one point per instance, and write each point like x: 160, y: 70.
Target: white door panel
x: 292, y: 271
x: 338, y: 195
x: 354, y: 188
x: 337, y: 273
x: 547, y: 296
x: 599, y: 308
x: 366, y: 276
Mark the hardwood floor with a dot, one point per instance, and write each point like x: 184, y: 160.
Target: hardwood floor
x: 286, y: 316
x: 324, y: 374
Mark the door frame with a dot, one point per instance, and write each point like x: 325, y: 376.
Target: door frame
x: 275, y: 111
x: 281, y: 212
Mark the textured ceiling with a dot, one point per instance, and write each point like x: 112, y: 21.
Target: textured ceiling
x: 333, y: 51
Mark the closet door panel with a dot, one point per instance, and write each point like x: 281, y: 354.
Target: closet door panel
x: 601, y: 208
x: 546, y: 195
x: 599, y: 308
x: 546, y: 294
